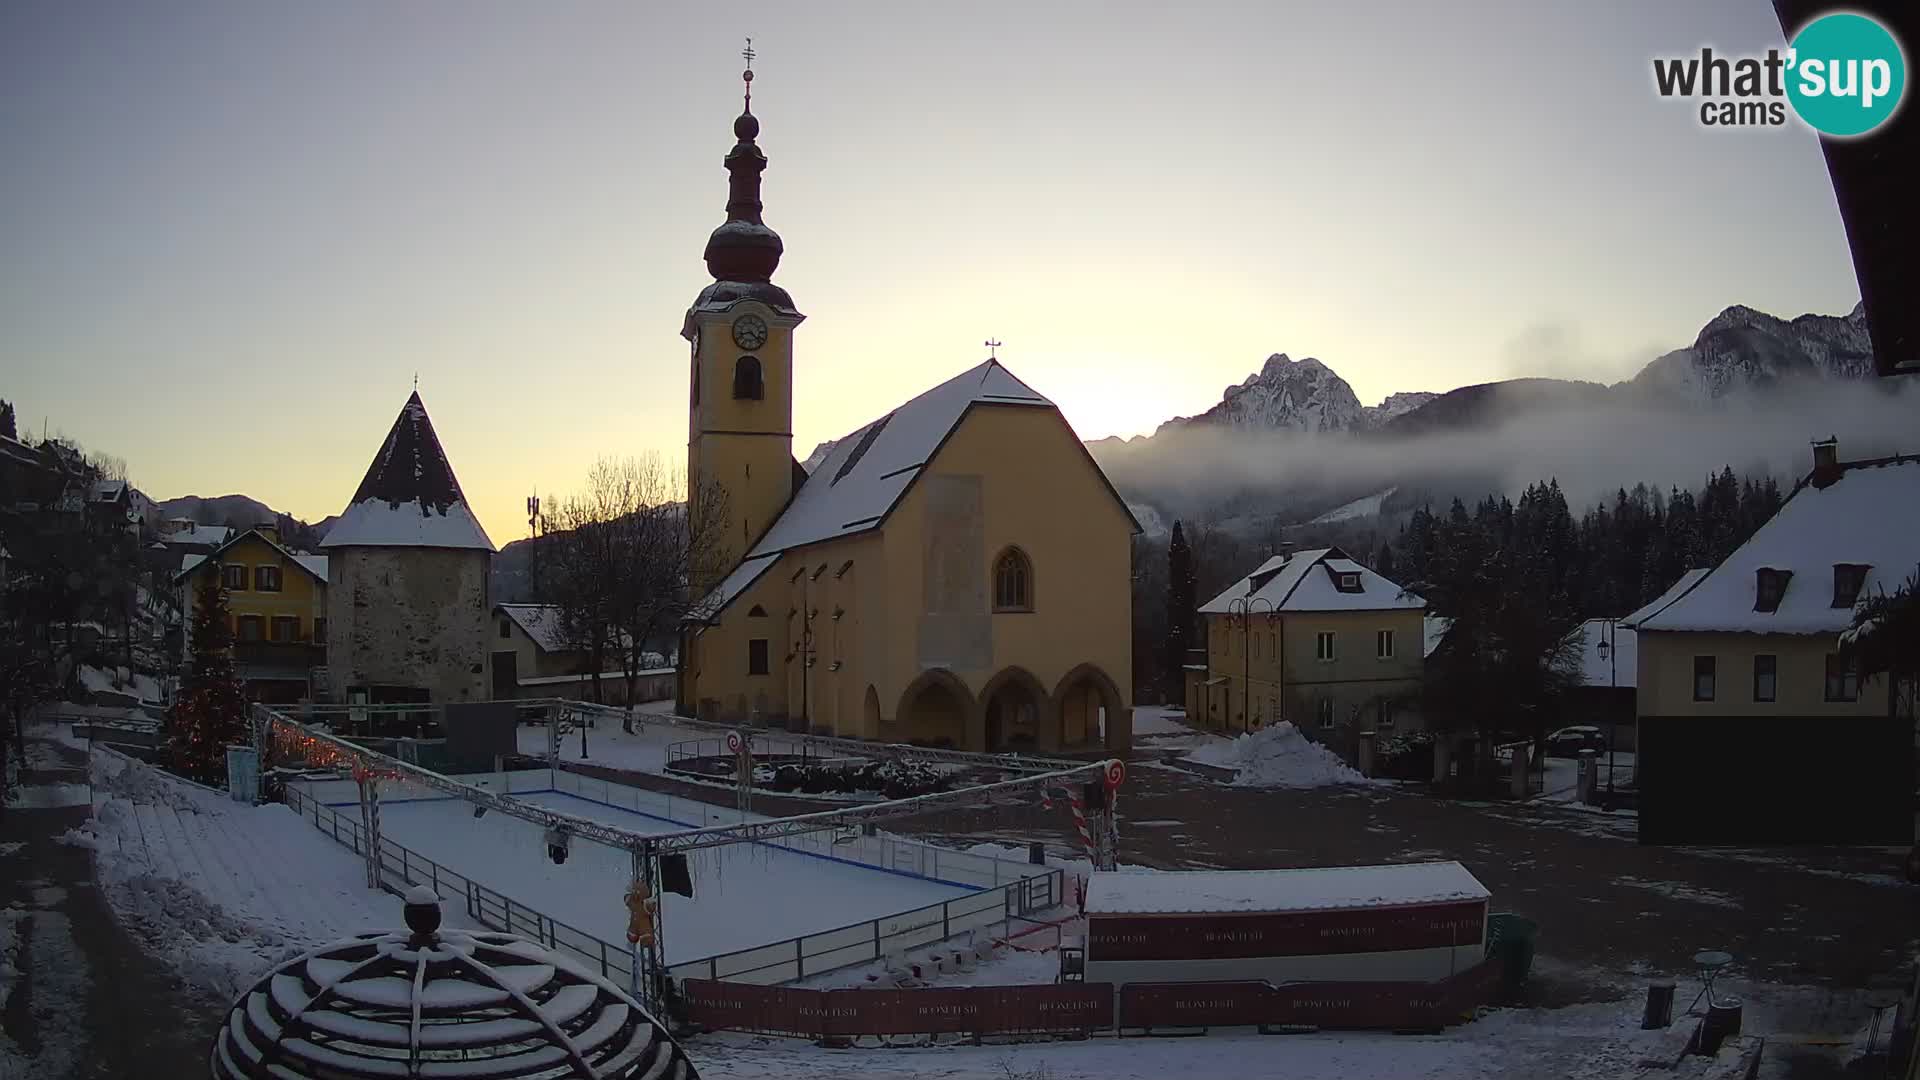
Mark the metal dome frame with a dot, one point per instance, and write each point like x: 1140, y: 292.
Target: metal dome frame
x: 448, y: 1004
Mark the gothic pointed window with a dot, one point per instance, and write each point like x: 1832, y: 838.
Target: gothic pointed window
x: 1013, y: 581
x: 747, y: 384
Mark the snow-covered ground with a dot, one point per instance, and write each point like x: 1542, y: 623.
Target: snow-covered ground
x: 610, y: 745
x: 1278, y: 756
x: 1365, y: 506
x: 219, y: 888
x: 120, y: 680
x: 744, y: 894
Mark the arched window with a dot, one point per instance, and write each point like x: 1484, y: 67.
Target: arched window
x: 746, y: 379
x: 1013, y: 581
x: 756, y: 612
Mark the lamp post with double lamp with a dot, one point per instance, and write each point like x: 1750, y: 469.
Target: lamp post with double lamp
x: 1610, y: 652
x: 1242, y: 610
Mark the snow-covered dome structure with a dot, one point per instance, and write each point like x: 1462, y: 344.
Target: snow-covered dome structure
x: 440, y: 1004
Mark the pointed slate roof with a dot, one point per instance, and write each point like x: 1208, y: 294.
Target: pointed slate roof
x: 409, y: 497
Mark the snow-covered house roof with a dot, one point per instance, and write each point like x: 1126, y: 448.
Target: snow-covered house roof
x: 1867, y: 516
x: 312, y: 564
x: 867, y: 473
x: 409, y: 497
x: 108, y: 490
x: 1312, y: 581
x: 1192, y: 892
x: 1436, y: 627
x: 1665, y: 600
x: 210, y: 535
x: 1617, y: 668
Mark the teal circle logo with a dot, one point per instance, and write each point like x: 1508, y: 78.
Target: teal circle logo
x: 1846, y: 74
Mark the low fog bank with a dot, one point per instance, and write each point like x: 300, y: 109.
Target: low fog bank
x: 1592, y: 451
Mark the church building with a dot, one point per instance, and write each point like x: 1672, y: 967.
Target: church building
x: 955, y: 573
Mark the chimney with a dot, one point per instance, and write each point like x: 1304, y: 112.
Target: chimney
x: 1826, y: 461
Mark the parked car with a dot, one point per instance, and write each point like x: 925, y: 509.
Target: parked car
x: 1569, y: 741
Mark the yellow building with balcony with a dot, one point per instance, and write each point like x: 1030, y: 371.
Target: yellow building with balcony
x: 277, y: 601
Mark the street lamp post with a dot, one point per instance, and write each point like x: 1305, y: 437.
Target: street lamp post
x: 1610, y: 652
x: 1242, y: 608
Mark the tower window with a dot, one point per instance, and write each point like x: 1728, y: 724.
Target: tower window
x: 1769, y: 588
x: 1013, y: 581
x: 747, y: 385
x: 757, y: 656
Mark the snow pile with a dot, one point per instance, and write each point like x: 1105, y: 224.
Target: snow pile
x: 1278, y: 756
x: 220, y: 889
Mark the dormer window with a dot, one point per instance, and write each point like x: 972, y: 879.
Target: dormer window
x: 1848, y: 579
x: 1348, y: 583
x: 1770, y: 586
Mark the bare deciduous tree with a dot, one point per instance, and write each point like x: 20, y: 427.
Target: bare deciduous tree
x: 620, y: 557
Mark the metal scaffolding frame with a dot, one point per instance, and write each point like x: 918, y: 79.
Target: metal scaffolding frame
x: 690, y: 839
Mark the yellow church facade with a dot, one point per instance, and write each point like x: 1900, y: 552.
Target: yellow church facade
x: 955, y: 573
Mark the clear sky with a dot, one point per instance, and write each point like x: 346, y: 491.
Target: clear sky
x: 235, y: 231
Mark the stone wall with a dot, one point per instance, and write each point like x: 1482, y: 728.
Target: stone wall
x: 405, y: 616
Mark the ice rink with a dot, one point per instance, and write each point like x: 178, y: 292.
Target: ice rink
x: 744, y: 894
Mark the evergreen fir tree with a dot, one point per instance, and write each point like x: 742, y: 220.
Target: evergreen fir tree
x: 210, y: 712
x: 1180, y: 610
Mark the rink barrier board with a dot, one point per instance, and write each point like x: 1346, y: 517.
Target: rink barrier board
x: 1083, y: 1008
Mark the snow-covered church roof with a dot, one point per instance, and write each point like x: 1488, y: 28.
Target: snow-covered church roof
x: 1869, y: 515
x: 409, y: 497
x: 1291, y: 583
x: 865, y: 475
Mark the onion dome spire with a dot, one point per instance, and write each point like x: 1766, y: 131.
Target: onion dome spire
x: 743, y: 248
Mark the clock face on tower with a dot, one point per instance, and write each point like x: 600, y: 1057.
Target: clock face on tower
x: 749, y: 331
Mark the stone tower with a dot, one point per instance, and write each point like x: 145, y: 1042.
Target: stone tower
x: 740, y: 427
x: 407, y: 566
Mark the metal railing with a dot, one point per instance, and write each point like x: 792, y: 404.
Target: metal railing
x: 1003, y: 895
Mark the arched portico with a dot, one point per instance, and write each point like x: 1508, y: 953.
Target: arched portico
x: 1015, y: 712
x: 935, y: 709
x: 1079, y: 700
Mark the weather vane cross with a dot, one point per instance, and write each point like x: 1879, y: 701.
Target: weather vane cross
x: 747, y: 75
x: 993, y: 348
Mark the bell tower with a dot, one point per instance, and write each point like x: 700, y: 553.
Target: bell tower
x: 740, y: 425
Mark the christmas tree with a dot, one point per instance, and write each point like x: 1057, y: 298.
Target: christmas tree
x: 211, y: 712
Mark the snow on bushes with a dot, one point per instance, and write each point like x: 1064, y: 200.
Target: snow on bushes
x: 1278, y: 756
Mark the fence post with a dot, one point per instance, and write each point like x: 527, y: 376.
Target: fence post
x: 405, y: 874
x: 876, y: 939
x: 799, y: 959
x: 507, y: 901
x: 946, y: 924
x: 435, y: 869
x: 603, y: 958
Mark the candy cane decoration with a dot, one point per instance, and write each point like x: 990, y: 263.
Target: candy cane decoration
x: 1079, y: 804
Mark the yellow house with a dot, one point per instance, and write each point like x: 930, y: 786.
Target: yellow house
x: 277, y: 600
x: 1752, y: 727
x: 1316, y: 639
x: 954, y: 573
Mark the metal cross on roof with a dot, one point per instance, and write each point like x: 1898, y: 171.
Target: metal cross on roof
x: 747, y: 75
x: 992, y: 349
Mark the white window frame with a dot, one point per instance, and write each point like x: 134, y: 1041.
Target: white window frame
x: 1380, y: 638
x: 1326, y: 646
x: 1325, y: 709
